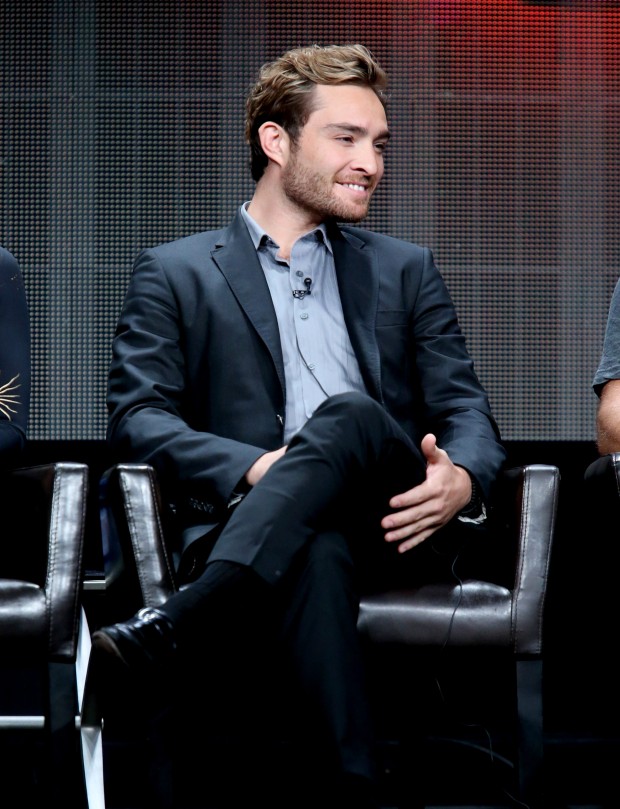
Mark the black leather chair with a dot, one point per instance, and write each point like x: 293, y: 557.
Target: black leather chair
x: 503, y: 614
x: 43, y: 634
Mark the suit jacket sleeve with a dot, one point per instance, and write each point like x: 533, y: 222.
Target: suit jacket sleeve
x: 413, y: 354
x: 456, y: 406
x: 150, y: 389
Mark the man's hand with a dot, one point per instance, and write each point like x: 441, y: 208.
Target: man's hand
x: 262, y: 464
x: 430, y: 505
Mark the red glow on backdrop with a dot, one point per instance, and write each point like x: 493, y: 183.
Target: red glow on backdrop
x: 494, y: 44
x: 502, y: 42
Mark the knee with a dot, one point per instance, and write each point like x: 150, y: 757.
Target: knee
x: 350, y: 426
x: 353, y: 405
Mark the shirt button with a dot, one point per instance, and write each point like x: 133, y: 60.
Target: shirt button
x: 304, y: 315
x: 299, y: 273
x: 312, y: 366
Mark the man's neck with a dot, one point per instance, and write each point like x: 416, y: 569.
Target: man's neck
x: 283, y: 221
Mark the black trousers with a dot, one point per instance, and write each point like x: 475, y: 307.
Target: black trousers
x: 342, y: 466
x: 310, y: 529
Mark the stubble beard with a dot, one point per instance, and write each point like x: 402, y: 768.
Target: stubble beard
x: 313, y: 192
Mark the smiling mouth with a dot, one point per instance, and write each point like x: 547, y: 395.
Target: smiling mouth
x: 355, y: 187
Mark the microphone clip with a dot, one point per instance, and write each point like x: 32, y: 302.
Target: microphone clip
x: 300, y: 294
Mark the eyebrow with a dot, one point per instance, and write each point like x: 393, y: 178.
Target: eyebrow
x: 358, y: 130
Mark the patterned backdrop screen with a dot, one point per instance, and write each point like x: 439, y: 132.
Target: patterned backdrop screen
x: 121, y: 126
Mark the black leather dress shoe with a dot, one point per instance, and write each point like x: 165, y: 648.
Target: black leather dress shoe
x: 144, y: 641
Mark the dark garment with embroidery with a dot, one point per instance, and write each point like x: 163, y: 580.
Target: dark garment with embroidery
x: 14, y: 360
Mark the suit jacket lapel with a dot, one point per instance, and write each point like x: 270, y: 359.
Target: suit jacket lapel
x: 358, y: 282
x: 236, y: 257
x: 357, y: 271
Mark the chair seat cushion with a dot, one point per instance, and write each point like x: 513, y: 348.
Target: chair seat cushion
x: 478, y: 613
x: 23, y: 617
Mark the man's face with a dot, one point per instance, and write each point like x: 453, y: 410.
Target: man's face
x: 337, y: 162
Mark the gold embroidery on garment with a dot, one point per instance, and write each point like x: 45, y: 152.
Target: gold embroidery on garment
x: 8, y: 397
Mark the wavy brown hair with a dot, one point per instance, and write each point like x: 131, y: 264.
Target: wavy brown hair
x: 284, y: 94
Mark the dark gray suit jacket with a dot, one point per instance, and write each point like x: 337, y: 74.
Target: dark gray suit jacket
x: 196, y: 383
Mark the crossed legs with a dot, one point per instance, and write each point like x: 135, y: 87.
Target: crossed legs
x: 288, y: 533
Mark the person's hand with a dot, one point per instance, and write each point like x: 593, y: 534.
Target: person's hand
x: 431, y: 504
x: 262, y: 464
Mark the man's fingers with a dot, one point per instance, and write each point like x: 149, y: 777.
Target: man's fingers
x: 408, y: 544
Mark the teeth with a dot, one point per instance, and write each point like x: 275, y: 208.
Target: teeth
x: 354, y: 186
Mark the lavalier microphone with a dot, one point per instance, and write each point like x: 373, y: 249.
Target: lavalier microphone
x: 301, y: 293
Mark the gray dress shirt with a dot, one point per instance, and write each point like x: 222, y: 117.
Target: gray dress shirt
x: 318, y: 355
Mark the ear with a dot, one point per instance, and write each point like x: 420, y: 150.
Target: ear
x: 274, y: 142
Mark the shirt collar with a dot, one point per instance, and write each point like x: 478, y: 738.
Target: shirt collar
x: 259, y: 236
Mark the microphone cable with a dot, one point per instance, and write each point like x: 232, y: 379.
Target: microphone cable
x: 489, y: 750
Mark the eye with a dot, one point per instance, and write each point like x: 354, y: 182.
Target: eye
x: 345, y: 138
x: 381, y: 147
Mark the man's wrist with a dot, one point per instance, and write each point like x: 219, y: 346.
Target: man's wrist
x: 475, y: 511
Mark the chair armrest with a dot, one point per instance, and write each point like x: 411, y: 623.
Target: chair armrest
x: 49, y: 502
x: 138, y: 568
x: 529, y: 498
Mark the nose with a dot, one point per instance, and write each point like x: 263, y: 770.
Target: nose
x: 367, y: 159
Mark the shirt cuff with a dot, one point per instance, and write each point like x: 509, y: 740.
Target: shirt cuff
x: 475, y: 520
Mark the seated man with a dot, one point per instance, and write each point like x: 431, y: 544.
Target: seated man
x: 606, y: 382
x: 305, y: 393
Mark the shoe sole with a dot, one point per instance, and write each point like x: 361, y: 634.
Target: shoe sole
x: 101, y: 640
